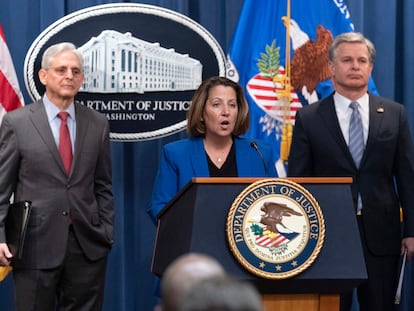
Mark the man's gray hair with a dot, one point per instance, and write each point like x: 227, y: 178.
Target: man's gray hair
x: 58, y: 48
x: 352, y: 37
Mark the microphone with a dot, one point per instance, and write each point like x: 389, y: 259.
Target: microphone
x: 254, y: 145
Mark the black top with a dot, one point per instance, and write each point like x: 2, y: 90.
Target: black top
x: 229, y: 167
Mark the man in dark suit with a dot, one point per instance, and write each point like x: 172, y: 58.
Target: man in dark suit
x: 70, y: 230
x: 383, y: 173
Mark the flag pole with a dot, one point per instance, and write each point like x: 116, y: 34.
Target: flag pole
x: 286, y: 138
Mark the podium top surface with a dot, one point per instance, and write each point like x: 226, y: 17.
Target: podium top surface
x: 299, y: 180
x: 250, y: 180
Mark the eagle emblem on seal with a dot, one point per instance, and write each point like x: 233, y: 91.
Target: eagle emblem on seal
x: 269, y: 228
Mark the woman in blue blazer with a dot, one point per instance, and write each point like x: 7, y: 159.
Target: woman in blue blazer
x: 219, y: 114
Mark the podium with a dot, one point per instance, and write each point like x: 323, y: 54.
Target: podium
x: 195, y: 221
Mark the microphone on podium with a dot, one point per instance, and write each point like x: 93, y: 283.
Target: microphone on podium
x: 254, y: 145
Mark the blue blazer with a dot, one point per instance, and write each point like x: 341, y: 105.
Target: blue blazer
x: 184, y: 159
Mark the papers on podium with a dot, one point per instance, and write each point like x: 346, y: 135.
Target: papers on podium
x: 16, y: 226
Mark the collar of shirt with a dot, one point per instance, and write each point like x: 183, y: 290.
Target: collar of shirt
x: 52, y: 110
x: 343, y: 112
x: 54, y: 121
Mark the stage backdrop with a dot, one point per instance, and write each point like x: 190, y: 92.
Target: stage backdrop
x: 389, y: 24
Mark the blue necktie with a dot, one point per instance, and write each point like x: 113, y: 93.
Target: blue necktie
x: 356, y: 141
x: 356, y: 135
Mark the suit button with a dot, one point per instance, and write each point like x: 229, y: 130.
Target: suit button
x: 65, y: 213
x: 68, y: 186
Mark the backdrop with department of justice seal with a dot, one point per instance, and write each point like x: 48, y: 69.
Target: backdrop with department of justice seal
x: 142, y: 64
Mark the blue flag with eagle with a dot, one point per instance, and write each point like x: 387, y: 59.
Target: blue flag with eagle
x: 280, y: 78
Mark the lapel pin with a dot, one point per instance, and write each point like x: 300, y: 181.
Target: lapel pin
x: 380, y: 110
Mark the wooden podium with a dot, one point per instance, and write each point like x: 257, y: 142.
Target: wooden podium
x: 195, y: 221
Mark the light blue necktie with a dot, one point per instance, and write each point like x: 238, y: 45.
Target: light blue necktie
x: 356, y: 140
x: 356, y: 135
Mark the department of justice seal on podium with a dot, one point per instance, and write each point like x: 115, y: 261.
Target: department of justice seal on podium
x: 275, y: 228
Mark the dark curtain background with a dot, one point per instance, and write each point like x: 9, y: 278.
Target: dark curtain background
x: 389, y: 24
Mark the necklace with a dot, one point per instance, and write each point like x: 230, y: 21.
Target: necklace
x: 219, y: 155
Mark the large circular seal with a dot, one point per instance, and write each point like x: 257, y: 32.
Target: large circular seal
x: 275, y: 228
x: 142, y: 64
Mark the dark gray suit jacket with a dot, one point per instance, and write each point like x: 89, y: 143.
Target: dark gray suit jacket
x: 31, y: 168
x: 385, y: 177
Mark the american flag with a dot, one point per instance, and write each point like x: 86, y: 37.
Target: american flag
x: 10, y: 96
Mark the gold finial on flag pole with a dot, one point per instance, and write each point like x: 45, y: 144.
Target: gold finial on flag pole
x: 287, y: 129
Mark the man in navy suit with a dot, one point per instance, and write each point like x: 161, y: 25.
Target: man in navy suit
x: 70, y: 229
x: 383, y: 178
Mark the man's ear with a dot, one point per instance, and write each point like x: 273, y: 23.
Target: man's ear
x: 331, y: 68
x: 42, y: 76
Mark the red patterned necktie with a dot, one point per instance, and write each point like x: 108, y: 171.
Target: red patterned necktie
x: 65, y: 146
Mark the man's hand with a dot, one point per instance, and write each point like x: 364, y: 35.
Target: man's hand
x: 5, y: 255
x: 408, y: 244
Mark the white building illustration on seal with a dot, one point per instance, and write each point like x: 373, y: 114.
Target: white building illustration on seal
x: 120, y: 63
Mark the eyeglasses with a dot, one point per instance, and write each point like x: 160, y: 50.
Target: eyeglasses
x: 62, y: 71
